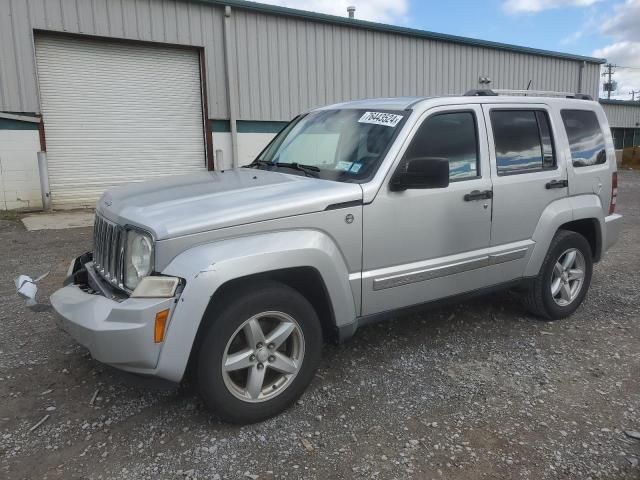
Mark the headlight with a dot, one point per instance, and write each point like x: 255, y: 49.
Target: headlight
x: 138, y: 258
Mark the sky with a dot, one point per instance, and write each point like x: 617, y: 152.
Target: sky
x: 598, y: 28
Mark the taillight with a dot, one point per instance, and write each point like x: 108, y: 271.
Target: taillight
x: 614, y: 192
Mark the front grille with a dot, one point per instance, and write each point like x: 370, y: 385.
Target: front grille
x: 108, y: 251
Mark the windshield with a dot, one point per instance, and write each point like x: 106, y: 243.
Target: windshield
x: 344, y: 145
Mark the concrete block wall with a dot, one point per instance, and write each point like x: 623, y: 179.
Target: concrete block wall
x: 19, y: 177
x: 249, y: 146
x: 253, y: 136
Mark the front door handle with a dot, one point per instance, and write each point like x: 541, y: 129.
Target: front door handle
x: 557, y: 184
x: 478, y: 195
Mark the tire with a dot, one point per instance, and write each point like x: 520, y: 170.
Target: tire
x: 234, y: 359
x: 540, y: 299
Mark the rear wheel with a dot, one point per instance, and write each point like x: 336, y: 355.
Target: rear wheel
x: 564, y: 278
x: 259, y: 353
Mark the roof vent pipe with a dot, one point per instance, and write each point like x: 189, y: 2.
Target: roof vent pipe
x: 352, y: 11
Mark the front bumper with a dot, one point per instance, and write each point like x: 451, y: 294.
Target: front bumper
x: 117, y: 332
x: 613, y: 225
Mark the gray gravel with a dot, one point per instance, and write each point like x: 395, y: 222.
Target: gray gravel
x: 477, y: 390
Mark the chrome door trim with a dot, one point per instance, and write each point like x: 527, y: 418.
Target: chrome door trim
x: 428, y: 270
x: 429, y: 273
x: 507, y: 256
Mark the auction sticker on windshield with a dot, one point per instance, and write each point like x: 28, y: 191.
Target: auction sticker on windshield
x: 381, y: 118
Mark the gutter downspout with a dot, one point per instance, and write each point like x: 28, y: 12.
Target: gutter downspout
x: 583, y: 64
x: 231, y: 96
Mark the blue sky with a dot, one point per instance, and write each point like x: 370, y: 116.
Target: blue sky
x: 550, y: 29
x: 601, y: 28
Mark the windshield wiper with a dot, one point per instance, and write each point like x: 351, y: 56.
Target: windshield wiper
x: 309, y: 170
x: 258, y: 163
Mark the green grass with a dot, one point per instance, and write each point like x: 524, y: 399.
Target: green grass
x: 10, y: 215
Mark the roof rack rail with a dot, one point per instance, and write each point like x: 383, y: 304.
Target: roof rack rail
x: 486, y: 92
x: 525, y: 93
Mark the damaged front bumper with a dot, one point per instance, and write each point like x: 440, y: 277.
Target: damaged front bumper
x: 117, y: 330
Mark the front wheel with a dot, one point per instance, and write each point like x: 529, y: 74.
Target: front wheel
x: 259, y: 354
x: 564, y: 278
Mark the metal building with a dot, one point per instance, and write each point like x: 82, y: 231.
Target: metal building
x: 124, y: 90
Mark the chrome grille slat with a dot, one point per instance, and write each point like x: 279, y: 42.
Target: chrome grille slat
x: 107, y: 260
x: 102, y: 244
x: 108, y: 251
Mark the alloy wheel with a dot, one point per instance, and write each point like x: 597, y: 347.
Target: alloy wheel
x: 567, y: 277
x: 263, y: 356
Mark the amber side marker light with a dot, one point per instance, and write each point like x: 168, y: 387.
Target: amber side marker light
x: 160, y: 326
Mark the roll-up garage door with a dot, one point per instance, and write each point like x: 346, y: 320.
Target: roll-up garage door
x: 115, y: 113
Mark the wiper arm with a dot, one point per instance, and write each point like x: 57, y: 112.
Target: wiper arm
x: 258, y: 163
x: 309, y: 170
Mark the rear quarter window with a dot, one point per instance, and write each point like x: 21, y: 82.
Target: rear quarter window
x: 585, y: 137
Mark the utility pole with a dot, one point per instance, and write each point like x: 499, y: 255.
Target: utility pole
x: 633, y: 94
x: 608, y: 86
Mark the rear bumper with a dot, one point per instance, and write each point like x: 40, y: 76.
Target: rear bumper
x: 613, y: 225
x: 119, y: 333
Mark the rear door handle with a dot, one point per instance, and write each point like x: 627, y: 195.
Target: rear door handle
x: 478, y: 195
x: 557, y: 184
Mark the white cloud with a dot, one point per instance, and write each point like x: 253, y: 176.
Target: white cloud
x: 534, y: 6
x: 622, y: 26
x: 386, y: 11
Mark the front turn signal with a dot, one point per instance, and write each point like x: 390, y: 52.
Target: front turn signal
x: 160, y: 325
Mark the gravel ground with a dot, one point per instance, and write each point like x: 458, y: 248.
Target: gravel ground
x: 477, y: 390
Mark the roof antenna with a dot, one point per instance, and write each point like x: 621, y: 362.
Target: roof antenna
x: 528, y: 86
x: 352, y: 11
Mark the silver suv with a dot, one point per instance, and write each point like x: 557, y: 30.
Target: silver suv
x: 353, y: 212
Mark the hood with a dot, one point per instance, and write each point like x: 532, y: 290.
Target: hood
x: 186, y: 204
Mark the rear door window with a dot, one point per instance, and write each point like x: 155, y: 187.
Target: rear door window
x: 523, y: 141
x: 585, y: 137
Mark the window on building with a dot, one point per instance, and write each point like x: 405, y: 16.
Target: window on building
x: 452, y: 136
x: 523, y: 141
x: 628, y: 138
x: 618, y: 137
x: 585, y: 137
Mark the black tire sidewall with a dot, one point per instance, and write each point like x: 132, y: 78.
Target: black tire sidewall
x: 566, y: 241
x: 269, y: 296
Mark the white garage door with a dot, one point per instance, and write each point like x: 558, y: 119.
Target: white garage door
x: 116, y: 113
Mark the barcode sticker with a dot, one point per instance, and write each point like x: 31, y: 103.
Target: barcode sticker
x: 381, y: 118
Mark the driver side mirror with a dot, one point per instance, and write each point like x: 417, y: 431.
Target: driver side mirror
x: 421, y: 172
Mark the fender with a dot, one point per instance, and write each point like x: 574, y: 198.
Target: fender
x: 207, y: 267
x: 557, y: 213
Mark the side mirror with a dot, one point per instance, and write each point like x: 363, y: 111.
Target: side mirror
x: 421, y: 172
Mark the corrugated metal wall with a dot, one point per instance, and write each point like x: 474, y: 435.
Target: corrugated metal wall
x: 283, y: 65
x: 622, y: 116
x: 287, y: 65
x: 166, y: 21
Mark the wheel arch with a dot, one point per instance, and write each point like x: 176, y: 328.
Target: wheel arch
x: 306, y: 260
x: 582, y: 214
x: 590, y: 229
x: 305, y: 280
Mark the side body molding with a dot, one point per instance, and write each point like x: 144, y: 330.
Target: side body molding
x: 556, y: 214
x: 207, y: 267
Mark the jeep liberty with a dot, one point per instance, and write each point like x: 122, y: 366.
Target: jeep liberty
x: 352, y: 212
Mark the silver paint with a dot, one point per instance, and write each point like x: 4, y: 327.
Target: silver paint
x: 402, y: 248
